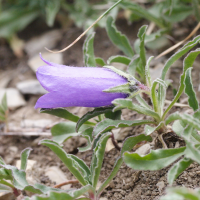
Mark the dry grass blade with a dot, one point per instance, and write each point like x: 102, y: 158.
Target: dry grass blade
x: 66, y: 183
x: 78, y: 38
x: 179, y: 43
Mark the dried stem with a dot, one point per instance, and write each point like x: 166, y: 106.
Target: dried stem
x: 66, y: 183
x: 179, y: 43
x: 162, y: 141
x: 78, y: 38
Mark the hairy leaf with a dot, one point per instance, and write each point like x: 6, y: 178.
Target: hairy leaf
x: 97, y: 158
x: 88, y: 51
x: 128, y: 144
x: 75, y: 165
x: 119, y: 59
x: 24, y: 158
x: 63, y: 113
x: 108, y: 124
x: 189, y: 90
x: 65, y: 130
x: 100, y: 61
x: 91, y: 114
x: 117, y: 38
x: 127, y: 103
x: 155, y: 160
x: 177, y: 169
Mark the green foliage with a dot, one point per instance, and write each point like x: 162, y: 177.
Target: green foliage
x: 3, y: 109
x: 88, y: 51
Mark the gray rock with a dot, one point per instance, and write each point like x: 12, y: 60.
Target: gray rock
x: 14, y: 98
x: 37, y: 44
x: 36, y: 61
x: 31, y: 87
x: 144, y: 149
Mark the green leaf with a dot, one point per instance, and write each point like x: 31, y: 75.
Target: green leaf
x: 2, y: 162
x: 117, y: 38
x: 97, y: 158
x: 119, y: 59
x: 125, y: 89
x: 128, y: 144
x: 178, y: 14
x: 114, y: 115
x: 91, y: 114
x: 108, y: 124
x: 141, y: 35
x: 4, y: 103
x: 65, y: 130
x: 188, y: 62
x: 51, y: 9
x: 88, y: 51
x: 100, y: 61
x: 158, y: 99
x: 182, y: 193
x: 12, y: 21
x: 5, y: 188
x: 24, y: 158
x: 127, y: 103
x: 188, y: 119
x: 189, y: 90
x: 155, y: 160
x: 147, y: 72
x: 142, y: 12
x: 87, y: 133
x: 142, y: 102
x: 75, y: 166
x: 149, y: 130
x: 196, y: 9
x: 177, y: 169
x: 133, y: 65
x: 77, y: 193
x: 63, y: 113
x: 179, y: 54
x: 192, y: 151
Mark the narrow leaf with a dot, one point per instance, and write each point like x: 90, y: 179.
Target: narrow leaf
x: 73, y: 166
x: 65, y: 130
x: 63, y: 113
x: 108, y: 124
x: 88, y: 51
x: 179, y: 54
x: 127, y: 103
x: 24, y: 158
x: 91, y: 114
x: 149, y: 130
x: 189, y: 90
x: 100, y: 61
x: 97, y: 158
x: 177, y: 169
x: 119, y: 59
x: 87, y: 133
x: 155, y: 160
x: 117, y: 38
x: 147, y: 72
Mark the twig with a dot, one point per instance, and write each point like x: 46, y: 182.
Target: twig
x: 66, y: 183
x: 26, y: 133
x: 78, y: 38
x: 177, y: 104
x: 114, y: 142
x: 179, y: 43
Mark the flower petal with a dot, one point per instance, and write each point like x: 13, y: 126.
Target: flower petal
x: 86, y: 78
x: 69, y: 99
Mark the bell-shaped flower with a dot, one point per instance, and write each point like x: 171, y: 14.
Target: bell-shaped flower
x: 77, y: 86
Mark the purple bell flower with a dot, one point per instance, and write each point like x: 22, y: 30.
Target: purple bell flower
x: 77, y: 86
